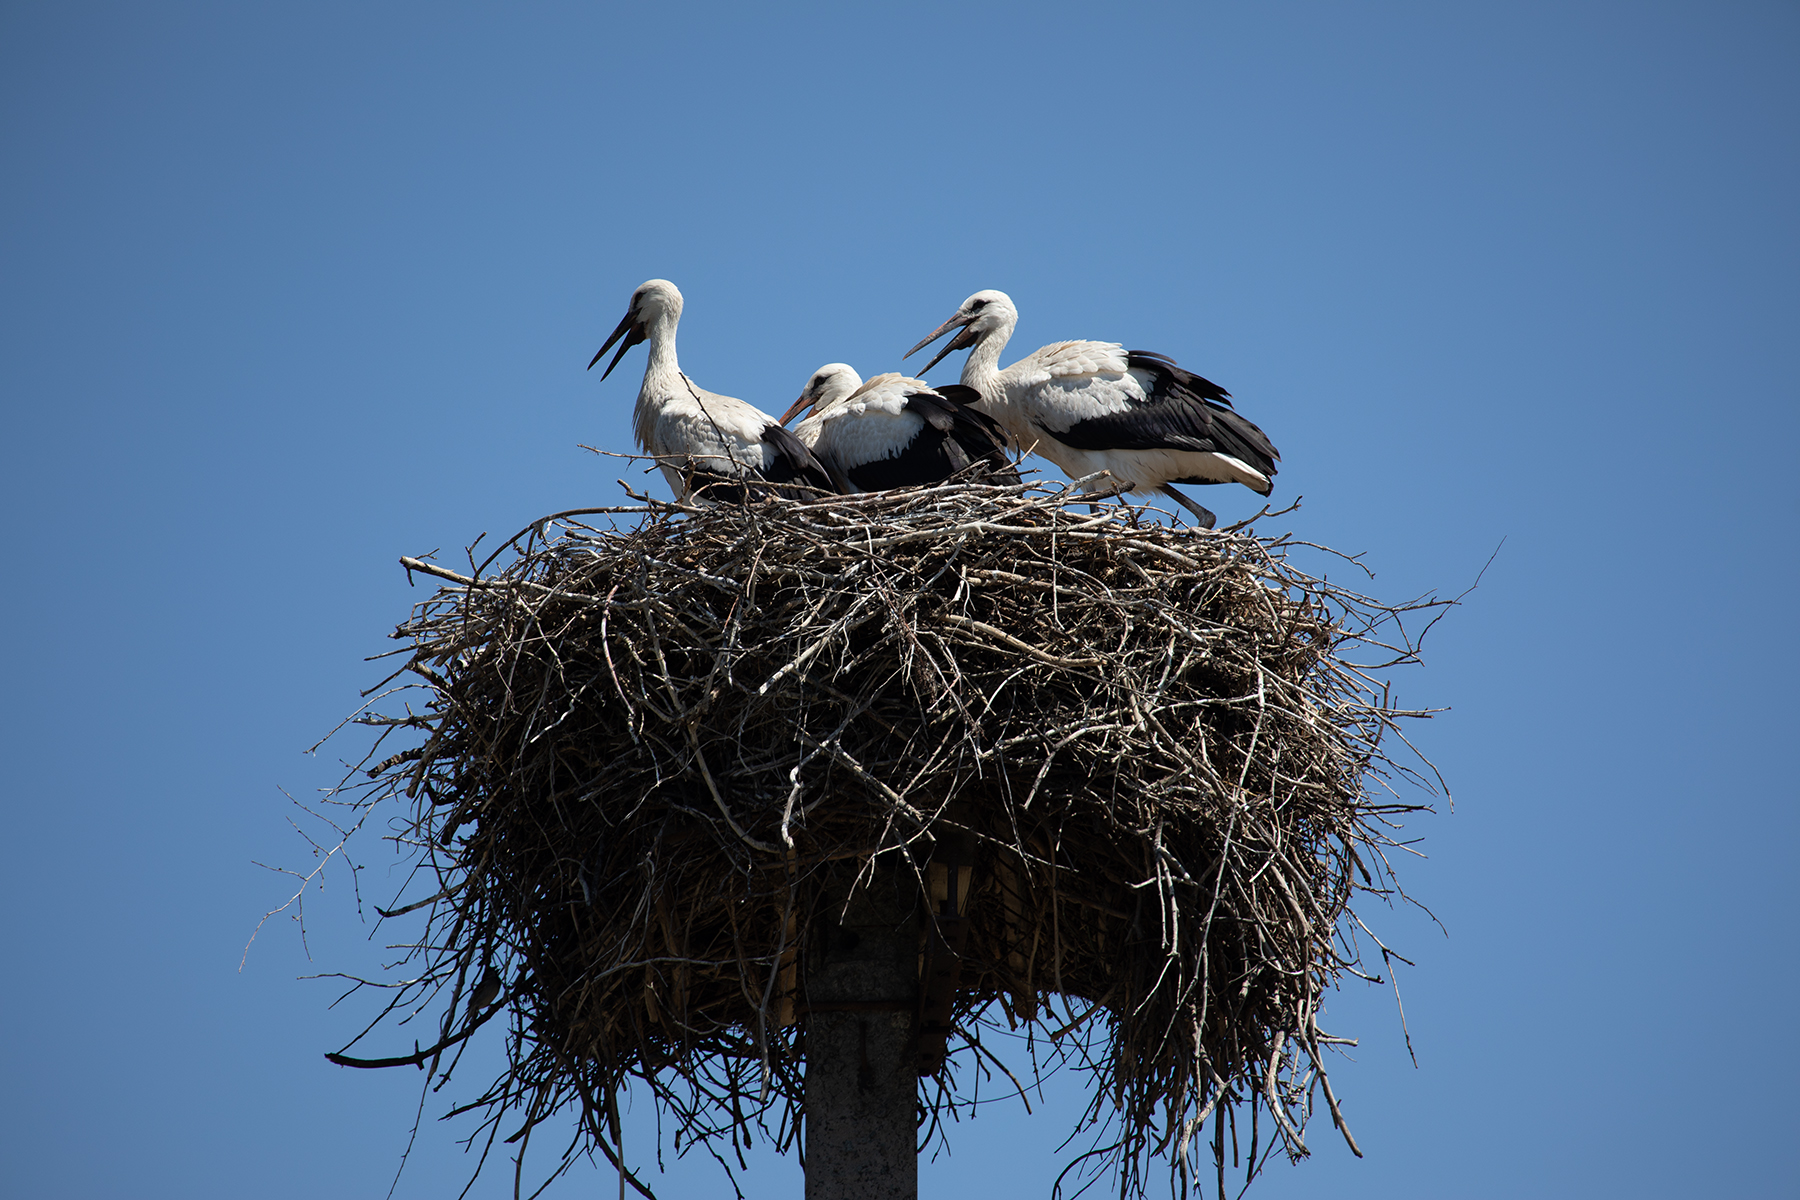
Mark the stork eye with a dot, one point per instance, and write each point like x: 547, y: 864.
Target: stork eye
x: 979, y: 304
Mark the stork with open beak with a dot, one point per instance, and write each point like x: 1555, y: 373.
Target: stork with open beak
x: 711, y: 448
x: 1095, y: 406
x: 893, y: 431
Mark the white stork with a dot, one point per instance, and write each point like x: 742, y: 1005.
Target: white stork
x: 893, y: 431
x: 705, y: 443
x: 1094, y: 406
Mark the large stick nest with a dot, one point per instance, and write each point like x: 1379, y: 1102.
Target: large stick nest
x: 650, y: 757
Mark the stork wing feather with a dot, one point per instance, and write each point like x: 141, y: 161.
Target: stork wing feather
x: 1066, y: 360
x: 964, y: 396
x: 977, y: 436
x: 789, y: 461
x: 933, y: 409
x: 1199, y: 385
x: 948, y: 437
x: 1182, y: 411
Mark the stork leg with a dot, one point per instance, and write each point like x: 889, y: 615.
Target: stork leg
x: 1121, y: 489
x: 1203, y: 517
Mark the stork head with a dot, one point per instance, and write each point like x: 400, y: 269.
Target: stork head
x: 655, y: 300
x: 830, y: 383
x: 979, y: 315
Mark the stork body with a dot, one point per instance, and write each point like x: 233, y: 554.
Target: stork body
x: 893, y: 431
x: 1095, y: 406
x: 711, y: 448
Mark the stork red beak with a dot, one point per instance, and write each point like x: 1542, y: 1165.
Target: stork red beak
x: 800, y: 406
x: 962, y: 340
x: 632, y: 335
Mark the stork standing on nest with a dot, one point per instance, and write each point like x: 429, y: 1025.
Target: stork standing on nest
x: 893, y: 431
x: 1094, y: 406
x: 716, y: 446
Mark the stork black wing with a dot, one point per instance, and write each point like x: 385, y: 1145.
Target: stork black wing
x: 792, y: 462
x: 1199, y: 385
x: 1182, y: 412
x: 977, y: 435
x: 954, y: 437
x: 957, y: 393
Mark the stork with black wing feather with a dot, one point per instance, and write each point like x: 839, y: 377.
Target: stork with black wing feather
x: 1095, y: 406
x: 893, y: 431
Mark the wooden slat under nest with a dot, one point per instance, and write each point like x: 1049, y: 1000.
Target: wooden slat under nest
x: 1135, y: 767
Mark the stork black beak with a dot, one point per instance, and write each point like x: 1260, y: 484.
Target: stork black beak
x: 632, y: 335
x: 961, y: 341
x: 800, y: 406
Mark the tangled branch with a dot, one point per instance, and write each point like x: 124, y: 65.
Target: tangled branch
x: 1145, y: 763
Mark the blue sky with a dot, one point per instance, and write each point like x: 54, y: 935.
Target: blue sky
x: 291, y: 292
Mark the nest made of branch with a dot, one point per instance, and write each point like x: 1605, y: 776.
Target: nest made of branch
x: 652, y: 755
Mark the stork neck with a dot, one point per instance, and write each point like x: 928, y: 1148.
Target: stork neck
x: 983, y: 362
x: 662, y: 382
x: 663, y: 365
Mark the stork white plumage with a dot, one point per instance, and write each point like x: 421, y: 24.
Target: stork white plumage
x: 1095, y: 406
x: 893, y: 431
x: 717, y: 446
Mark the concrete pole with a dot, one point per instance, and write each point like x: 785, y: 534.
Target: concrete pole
x: 862, y: 1078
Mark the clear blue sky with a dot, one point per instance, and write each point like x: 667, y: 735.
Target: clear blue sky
x: 292, y: 290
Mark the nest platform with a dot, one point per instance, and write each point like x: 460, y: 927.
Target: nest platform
x: 1134, y: 772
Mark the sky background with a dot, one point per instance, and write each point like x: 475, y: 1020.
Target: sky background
x: 289, y: 291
